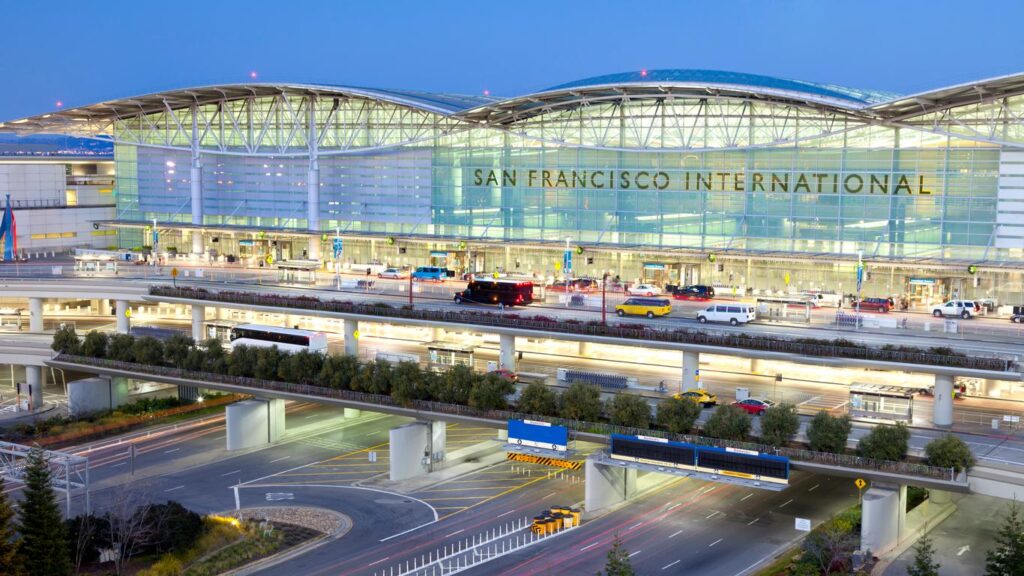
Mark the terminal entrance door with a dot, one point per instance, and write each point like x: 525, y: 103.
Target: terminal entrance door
x: 925, y: 292
x: 661, y: 274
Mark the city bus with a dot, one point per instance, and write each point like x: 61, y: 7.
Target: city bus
x: 286, y: 339
x: 507, y: 292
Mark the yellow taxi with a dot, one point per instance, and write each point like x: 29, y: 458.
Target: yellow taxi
x: 649, y: 307
x: 700, y: 396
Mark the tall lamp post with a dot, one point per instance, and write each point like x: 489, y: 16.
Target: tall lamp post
x: 860, y: 282
x: 604, y: 299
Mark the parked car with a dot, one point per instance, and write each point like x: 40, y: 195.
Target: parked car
x: 754, y: 406
x: 700, y: 396
x: 643, y: 290
x: 1018, y: 315
x: 963, y: 308
x: 732, y: 313
x: 574, y: 285
x: 430, y: 273
x: 875, y: 305
x: 394, y: 274
x: 649, y: 307
x: 696, y: 292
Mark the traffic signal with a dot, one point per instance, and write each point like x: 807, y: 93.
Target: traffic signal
x: 712, y: 257
x: 579, y: 249
x: 391, y: 240
x: 972, y: 269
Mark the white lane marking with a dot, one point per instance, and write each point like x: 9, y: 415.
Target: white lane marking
x: 634, y: 526
x: 809, y: 400
x: 588, y: 547
x: 279, y: 459
x: 504, y: 514
x: 667, y: 566
x: 221, y: 437
x: 707, y: 489
x: 379, y: 561
x: 747, y: 496
x: 460, y: 531
x: 963, y: 549
x: 676, y: 505
x: 118, y: 464
x: 752, y: 521
x: 784, y: 503
x: 548, y: 496
x: 715, y: 542
x: 230, y: 473
x: 175, y: 488
x: 171, y: 450
x: 635, y: 553
x: 676, y: 533
x: 811, y: 489
x: 709, y: 516
x: 310, y: 416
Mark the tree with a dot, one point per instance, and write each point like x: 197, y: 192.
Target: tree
x: 409, y: 383
x: 216, y: 358
x: 581, y: 402
x: 120, y: 348
x: 618, y: 560
x: 828, y: 433
x: 241, y: 361
x: 95, y: 344
x: 885, y: 442
x: 176, y: 349
x: 301, y: 367
x: 455, y: 385
x: 127, y: 528
x: 728, y: 423
x: 86, y: 534
x: 148, y: 350
x: 338, y: 372
x: 779, y: 424
x: 830, y: 546
x: 630, y: 410
x: 374, y: 377
x: 678, y: 415
x: 1006, y: 558
x: 949, y: 452
x: 491, y: 392
x: 267, y: 362
x: 171, y: 526
x: 44, y: 536
x: 65, y: 340
x: 538, y: 399
x: 10, y: 561
x: 924, y: 563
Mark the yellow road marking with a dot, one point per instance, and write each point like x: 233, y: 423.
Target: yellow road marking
x: 499, y: 495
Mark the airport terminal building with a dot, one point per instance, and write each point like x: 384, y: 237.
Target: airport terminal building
x: 674, y: 176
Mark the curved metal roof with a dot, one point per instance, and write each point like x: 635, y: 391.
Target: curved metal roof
x: 719, y: 77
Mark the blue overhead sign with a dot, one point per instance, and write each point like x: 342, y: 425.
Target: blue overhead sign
x: 567, y: 260
x: 339, y: 247
x: 534, y: 434
x: 734, y: 462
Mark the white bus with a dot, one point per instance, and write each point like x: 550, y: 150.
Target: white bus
x: 286, y: 339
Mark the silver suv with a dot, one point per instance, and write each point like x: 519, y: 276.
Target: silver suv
x: 963, y: 308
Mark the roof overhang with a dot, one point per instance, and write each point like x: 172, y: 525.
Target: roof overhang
x: 952, y: 96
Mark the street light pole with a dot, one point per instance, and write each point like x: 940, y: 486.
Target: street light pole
x: 410, y: 288
x: 568, y: 271
x: 604, y: 296
x: 860, y: 281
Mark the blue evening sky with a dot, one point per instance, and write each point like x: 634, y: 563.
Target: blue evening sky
x: 82, y: 52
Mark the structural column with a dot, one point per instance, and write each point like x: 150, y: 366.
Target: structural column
x: 123, y: 324
x: 584, y: 349
x: 942, y: 410
x: 691, y: 363
x: 507, y: 356
x: 351, y: 337
x: 196, y: 185
x: 198, y: 319
x: 35, y: 314
x: 607, y: 485
x: 313, y: 182
x: 33, y: 387
x: 755, y: 365
x: 883, y: 518
x: 256, y: 422
x: 409, y: 451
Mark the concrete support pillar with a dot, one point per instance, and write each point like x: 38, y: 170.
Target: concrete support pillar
x: 32, y: 389
x: 507, y: 356
x: 755, y: 365
x: 123, y: 320
x: 883, y: 518
x: 352, y: 413
x: 607, y: 485
x: 691, y: 364
x: 35, y: 314
x: 104, y: 307
x: 585, y: 349
x: 196, y: 184
x: 438, y: 439
x: 313, y: 174
x: 188, y: 393
x: 198, y: 319
x: 252, y: 423
x: 408, y: 451
x: 197, y: 243
x: 313, y: 252
x: 351, y: 337
x: 436, y: 334
x: 942, y: 414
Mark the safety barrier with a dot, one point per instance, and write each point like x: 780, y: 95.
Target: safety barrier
x: 544, y: 460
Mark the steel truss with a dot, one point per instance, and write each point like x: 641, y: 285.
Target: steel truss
x: 69, y: 472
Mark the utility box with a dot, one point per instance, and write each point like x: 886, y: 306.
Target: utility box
x: 742, y: 394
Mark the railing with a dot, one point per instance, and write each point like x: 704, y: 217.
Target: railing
x: 801, y: 346
x: 602, y: 428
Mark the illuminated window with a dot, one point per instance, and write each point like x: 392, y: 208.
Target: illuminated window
x: 71, y: 197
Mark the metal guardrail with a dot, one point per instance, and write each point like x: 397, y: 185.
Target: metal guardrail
x: 804, y: 346
x: 824, y: 458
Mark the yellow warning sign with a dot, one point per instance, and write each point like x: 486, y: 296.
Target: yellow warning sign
x: 860, y: 483
x: 556, y: 462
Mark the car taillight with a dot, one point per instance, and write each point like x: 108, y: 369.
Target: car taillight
x: 519, y: 297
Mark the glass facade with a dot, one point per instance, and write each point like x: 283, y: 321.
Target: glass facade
x: 702, y: 174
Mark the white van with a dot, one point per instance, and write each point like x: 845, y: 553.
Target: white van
x: 732, y: 313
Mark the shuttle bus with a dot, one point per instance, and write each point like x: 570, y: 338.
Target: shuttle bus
x: 286, y: 339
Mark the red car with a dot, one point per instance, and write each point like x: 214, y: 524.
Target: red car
x: 754, y: 406
x: 875, y: 304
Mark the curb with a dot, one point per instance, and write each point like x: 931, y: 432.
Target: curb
x: 910, y: 539
x: 294, y: 551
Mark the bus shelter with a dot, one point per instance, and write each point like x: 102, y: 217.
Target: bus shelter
x: 297, y: 271
x: 784, y: 309
x: 10, y: 319
x: 444, y: 355
x: 877, y: 402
